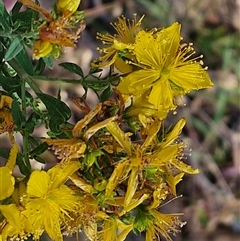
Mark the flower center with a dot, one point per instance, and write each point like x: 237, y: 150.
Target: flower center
x: 165, y: 72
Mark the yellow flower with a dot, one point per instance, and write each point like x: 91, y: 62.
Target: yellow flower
x: 41, y: 49
x: 120, y: 45
x: 114, y: 229
x: 68, y: 5
x: 7, y: 181
x: 141, y: 106
x: 48, y: 200
x: 167, y: 69
x: 158, y: 223
x: 15, y: 225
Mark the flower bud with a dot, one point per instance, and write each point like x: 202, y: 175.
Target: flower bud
x: 68, y: 5
x: 41, y: 49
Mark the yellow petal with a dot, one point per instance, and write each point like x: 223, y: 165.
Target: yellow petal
x: 147, y: 51
x: 162, y: 97
x: 61, y: 172
x: 120, y: 137
x: 175, y: 133
x: 134, y: 203
x: 86, y: 120
x: 184, y: 167
x: 64, y: 197
x: 190, y: 76
x: 41, y: 49
x: 132, y: 186
x: 119, y: 174
x: 81, y: 183
x: 173, y: 181
x: 38, y: 184
x: 68, y: 5
x: 122, y: 66
x: 12, y: 157
x: 152, y: 131
x: 12, y: 214
x: 92, y: 130
x: 7, y: 182
x: 164, y: 156
x: 138, y: 82
x: 168, y: 41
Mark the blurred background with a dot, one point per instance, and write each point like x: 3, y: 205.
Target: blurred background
x: 211, y: 200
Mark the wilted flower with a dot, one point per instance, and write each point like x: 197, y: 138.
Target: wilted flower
x: 6, y: 119
x: 57, y: 31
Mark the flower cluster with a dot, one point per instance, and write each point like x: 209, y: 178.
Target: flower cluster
x: 58, y: 29
x: 118, y: 165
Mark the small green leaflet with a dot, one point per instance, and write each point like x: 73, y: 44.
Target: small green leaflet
x: 59, y: 112
x: 14, y: 49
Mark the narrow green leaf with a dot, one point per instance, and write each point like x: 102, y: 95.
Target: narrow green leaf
x: 39, y: 149
x: 72, y: 68
x: 40, y: 159
x: 17, y: 114
x: 9, y: 84
x: 33, y: 121
x: 14, y: 49
x: 40, y: 67
x: 23, y: 169
x: 4, y: 18
x: 25, y: 62
x: 94, y: 70
x: 106, y: 94
x: 58, y: 111
x: 16, y: 8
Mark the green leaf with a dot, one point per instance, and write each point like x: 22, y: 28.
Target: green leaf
x: 25, y: 62
x: 39, y: 149
x: 14, y: 49
x: 40, y: 159
x: 17, y: 115
x: 4, y: 153
x: 4, y: 18
x: 40, y: 67
x: 48, y: 60
x: 24, y: 20
x: 9, y: 84
x: 72, y: 68
x: 1, y: 55
x: 58, y: 111
x: 16, y: 8
x: 32, y: 122
x: 94, y: 70
x: 106, y: 93
x: 23, y: 169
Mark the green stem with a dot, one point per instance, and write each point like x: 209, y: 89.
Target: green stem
x: 23, y: 75
x: 25, y: 134
x: 76, y: 81
x: 25, y: 78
